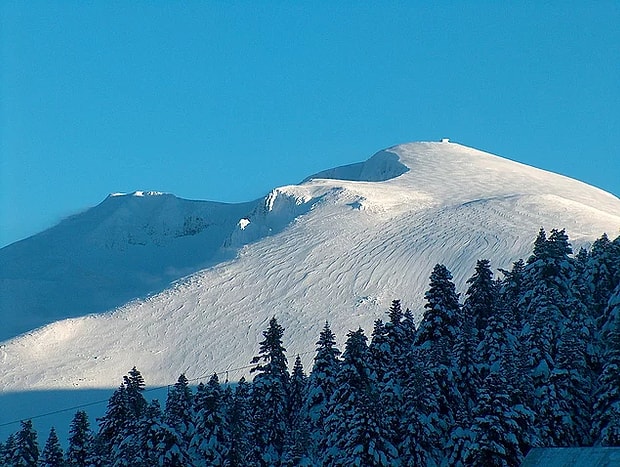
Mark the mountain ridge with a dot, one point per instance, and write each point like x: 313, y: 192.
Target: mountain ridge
x: 326, y: 249
x: 453, y: 205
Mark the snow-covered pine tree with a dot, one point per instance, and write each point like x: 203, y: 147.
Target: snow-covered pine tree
x: 322, y: 379
x: 606, y: 409
x: 437, y: 329
x: 435, y: 340
x: 465, y: 363
x: 297, y: 442
x: 8, y: 450
x: 240, y: 426
x: 460, y: 440
x: 400, y: 331
x: 112, y: 424
x: 424, y: 427
x: 159, y: 443
x: 481, y: 296
x: 52, y: 455
x: 134, y: 383
x: 210, y: 442
x: 79, y: 452
x: 391, y: 343
x: 570, y: 414
x: 379, y: 350
x: 601, y: 274
x: 26, y: 452
x: 540, y: 337
x: 409, y: 328
x: 178, y: 412
x: 511, y: 291
x: 298, y: 392
x: 321, y: 384
x: 494, y: 428
x: 495, y: 343
x: 270, y: 392
x: 550, y: 294
x: 520, y: 390
x: 356, y: 435
x: 125, y: 408
x: 550, y: 270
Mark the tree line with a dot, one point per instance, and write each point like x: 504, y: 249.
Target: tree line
x: 528, y: 359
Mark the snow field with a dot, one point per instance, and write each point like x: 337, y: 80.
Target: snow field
x: 327, y: 249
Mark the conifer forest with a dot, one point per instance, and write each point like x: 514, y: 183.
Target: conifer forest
x: 528, y: 357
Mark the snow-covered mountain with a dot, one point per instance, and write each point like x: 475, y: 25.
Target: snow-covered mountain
x: 339, y: 247
x: 128, y: 246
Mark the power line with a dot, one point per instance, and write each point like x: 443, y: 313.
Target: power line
x: 157, y: 388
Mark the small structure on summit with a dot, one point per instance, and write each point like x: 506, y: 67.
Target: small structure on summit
x: 445, y: 140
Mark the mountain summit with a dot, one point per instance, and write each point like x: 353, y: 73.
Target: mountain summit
x: 339, y: 246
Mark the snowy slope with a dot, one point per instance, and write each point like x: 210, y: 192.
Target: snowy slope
x: 339, y: 247
x: 128, y: 246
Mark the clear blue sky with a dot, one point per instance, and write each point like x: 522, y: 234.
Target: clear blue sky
x: 226, y: 100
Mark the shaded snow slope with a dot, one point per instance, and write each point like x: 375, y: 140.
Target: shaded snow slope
x: 126, y: 247
x: 327, y: 249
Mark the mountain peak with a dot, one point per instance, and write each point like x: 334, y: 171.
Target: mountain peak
x: 339, y: 247
x: 138, y: 194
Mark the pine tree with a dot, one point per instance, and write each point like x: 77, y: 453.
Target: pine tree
x: 134, y: 384
x: 481, y: 296
x: 322, y: 380
x: 437, y: 330
x: 551, y: 271
x: 112, y: 424
x: 155, y: 442
x: 409, y: 329
x: 355, y: 431
x: 26, y: 453
x: 79, y: 451
x: 540, y: 247
x: 519, y: 387
x: 399, y: 332
x: 460, y: 440
x: 297, y: 449
x: 495, y: 440
x: 298, y: 390
x: 210, y: 442
x: 512, y: 286
x: 178, y: 412
x: 465, y: 360
x: 424, y: 426
x: 238, y: 416
x: 601, y: 275
x: 570, y: 413
x: 435, y: 340
x: 125, y: 408
x: 606, y: 409
x: 390, y: 344
x: 495, y: 342
x: 297, y: 441
x: 8, y: 450
x: 270, y: 391
x: 321, y: 385
x: 379, y: 350
x: 52, y: 455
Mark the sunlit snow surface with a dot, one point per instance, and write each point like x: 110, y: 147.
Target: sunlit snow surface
x: 338, y: 247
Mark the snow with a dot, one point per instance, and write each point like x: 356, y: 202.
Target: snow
x: 339, y: 246
x: 139, y: 193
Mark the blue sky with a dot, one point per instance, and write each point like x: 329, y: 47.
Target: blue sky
x: 226, y: 100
